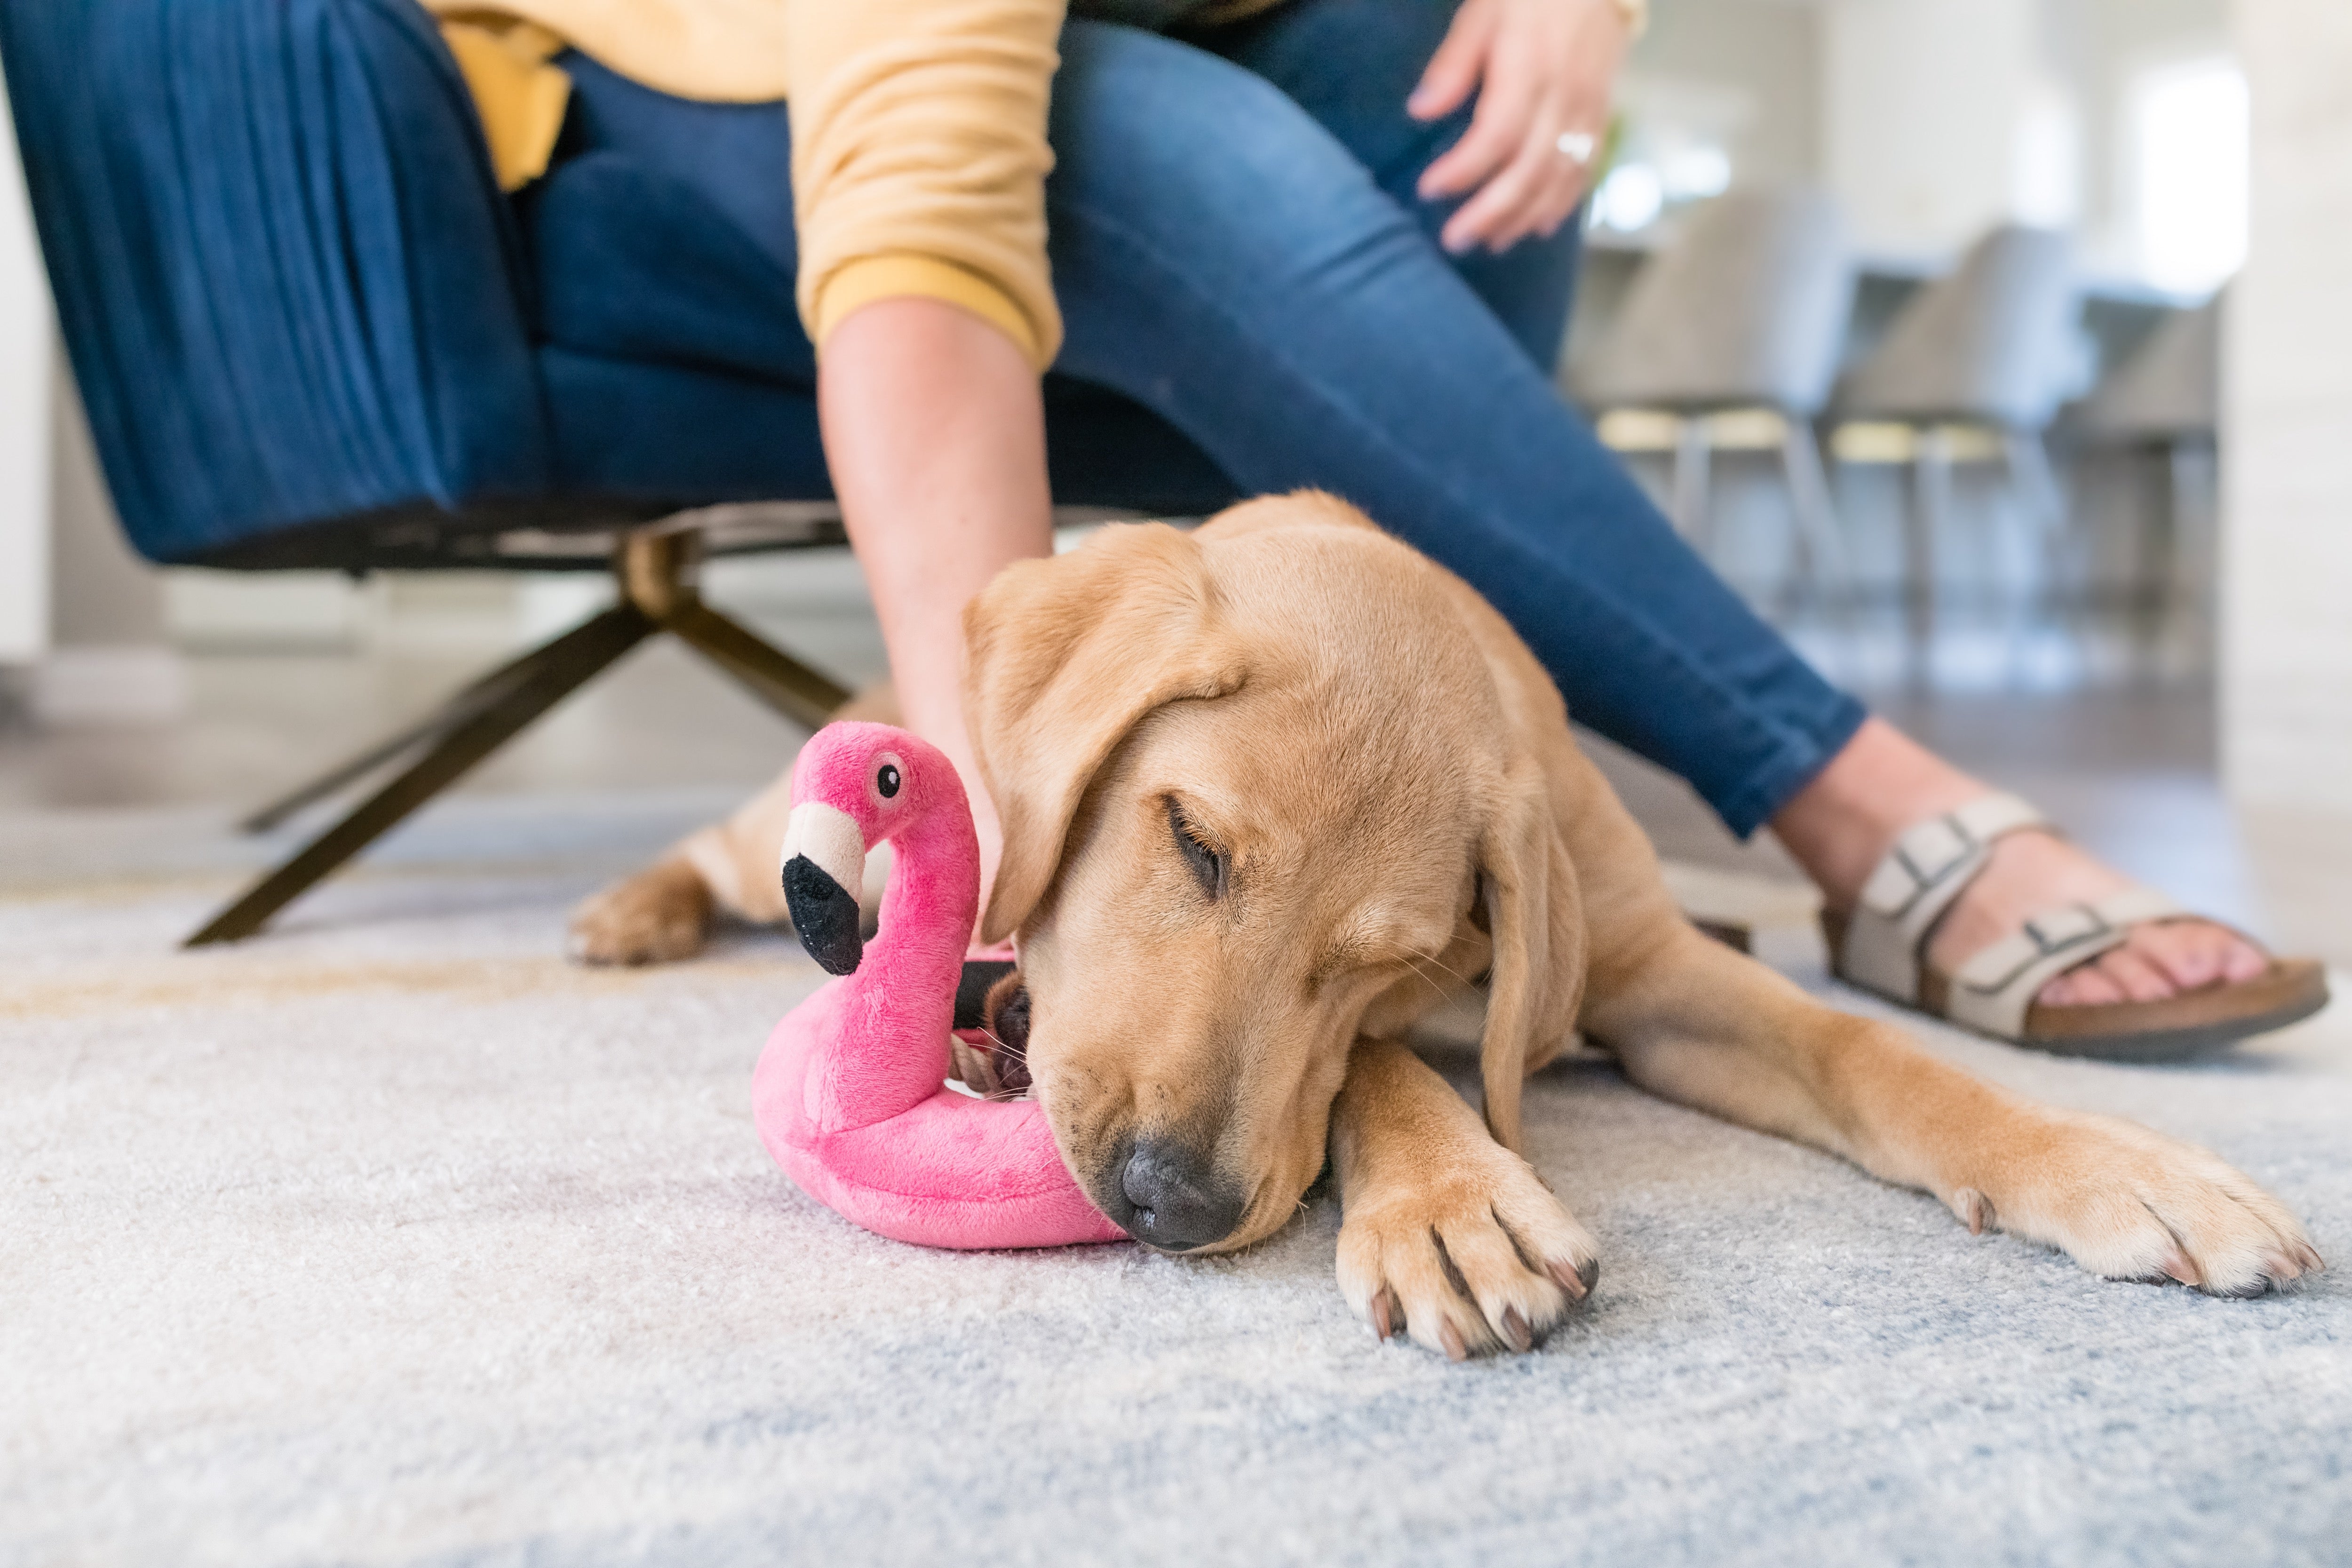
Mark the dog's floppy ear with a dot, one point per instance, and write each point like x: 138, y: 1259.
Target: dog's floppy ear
x: 1062, y: 658
x: 1536, y: 918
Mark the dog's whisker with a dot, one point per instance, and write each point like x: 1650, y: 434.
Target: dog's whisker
x: 1434, y: 958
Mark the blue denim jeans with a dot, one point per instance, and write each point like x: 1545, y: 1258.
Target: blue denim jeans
x: 1236, y: 246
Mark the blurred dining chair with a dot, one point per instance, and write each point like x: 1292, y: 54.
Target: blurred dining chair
x: 1729, y: 341
x: 2159, y: 413
x: 1970, y: 371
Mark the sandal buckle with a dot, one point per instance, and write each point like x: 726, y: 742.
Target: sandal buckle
x: 2053, y: 931
x: 1933, y: 851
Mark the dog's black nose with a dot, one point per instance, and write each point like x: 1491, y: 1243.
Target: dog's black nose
x: 1179, y: 1203
x: 825, y: 913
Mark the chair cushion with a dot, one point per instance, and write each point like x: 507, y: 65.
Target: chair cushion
x: 633, y: 264
x: 679, y: 435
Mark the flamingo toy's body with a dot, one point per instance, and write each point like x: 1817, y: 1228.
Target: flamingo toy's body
x: 850, y: 1095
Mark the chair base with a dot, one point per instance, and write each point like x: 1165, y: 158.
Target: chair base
x: 655, y: 570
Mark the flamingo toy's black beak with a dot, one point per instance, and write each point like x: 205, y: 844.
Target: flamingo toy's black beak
x: 825, y: 913
x: 824, y: 870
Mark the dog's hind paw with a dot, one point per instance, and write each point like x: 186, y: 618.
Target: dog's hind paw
x: 658, y: 916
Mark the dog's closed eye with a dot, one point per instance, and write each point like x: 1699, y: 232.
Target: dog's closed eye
x: 1207, y: 863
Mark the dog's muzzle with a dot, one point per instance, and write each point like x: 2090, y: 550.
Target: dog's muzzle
x: 825, y: 866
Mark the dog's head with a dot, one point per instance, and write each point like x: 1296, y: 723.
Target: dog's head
x: 1261, y: 796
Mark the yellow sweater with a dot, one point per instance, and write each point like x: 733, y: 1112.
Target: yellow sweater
x: 919, y: 127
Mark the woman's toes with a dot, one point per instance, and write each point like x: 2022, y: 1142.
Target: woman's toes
x: 2135, y: 975
x: 2086, y: 987
x: 2191, y: 953
x: 2244, y: 960
x: 2159, y: 962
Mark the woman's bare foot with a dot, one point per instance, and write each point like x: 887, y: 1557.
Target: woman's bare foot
x: 1884, y: 782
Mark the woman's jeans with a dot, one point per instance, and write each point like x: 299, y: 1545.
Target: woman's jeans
x: 1236, y: 246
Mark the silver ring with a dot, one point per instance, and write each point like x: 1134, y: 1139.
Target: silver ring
x: 1576, y: 146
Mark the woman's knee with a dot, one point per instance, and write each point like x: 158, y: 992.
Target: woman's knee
x: 1177, y: 168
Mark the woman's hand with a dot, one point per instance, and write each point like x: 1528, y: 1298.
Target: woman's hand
x: 1543, y: 70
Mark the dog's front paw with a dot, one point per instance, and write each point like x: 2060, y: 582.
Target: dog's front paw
x: 2131, y: 1204
x: 658, y: 916
x: 1475, y: 1257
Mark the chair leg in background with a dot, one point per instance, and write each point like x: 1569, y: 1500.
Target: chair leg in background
x: 1692, y: 482
x: 2043, y: 505
x: 1931, y: 498
x: 1822, y: 544
x: 2192, y: 571
x: 556, y: 671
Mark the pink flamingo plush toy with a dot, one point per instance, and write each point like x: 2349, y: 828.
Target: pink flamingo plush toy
x: 850, y: 1095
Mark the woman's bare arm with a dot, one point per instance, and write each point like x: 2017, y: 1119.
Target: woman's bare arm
x: 935, y: 432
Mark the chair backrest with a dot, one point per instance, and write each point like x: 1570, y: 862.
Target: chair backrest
x: 1748, y: 305
x: 2170, y: 389
x: 1987, y: 344
x: 290, y: 288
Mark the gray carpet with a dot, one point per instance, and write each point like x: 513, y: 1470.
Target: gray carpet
x: 392, y: 1239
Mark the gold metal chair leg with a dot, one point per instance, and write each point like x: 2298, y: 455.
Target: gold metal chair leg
x: 561, y: 667
x: 656, y: 572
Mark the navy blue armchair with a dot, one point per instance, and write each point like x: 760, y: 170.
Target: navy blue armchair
x: 311, y: 332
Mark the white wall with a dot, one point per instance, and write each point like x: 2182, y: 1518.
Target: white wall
x: 2287, y: 563
x: 1760, y: 59
x: 1924, y: 102
x: 2116, y: 40
x: 28, y: 339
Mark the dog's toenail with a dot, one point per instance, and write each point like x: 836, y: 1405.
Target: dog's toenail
x: 1516, y: 1331
x: 1577, y: 1280
x: 1451, y: 1337
x: 1975, y: 1208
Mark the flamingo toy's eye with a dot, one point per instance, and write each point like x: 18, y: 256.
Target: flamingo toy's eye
x: 888, y: 781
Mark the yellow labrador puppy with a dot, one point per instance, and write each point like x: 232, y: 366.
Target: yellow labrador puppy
x: 1272, y: 791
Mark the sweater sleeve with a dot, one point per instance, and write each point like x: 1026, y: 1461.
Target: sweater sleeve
x: 920, y: 158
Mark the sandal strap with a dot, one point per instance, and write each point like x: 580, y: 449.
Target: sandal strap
x: 1929, y: 866
x: 1994, y: 990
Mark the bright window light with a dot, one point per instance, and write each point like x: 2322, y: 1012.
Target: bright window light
x: 1630, y: 199
x: 2190, y: 140
x: 1693, y: 173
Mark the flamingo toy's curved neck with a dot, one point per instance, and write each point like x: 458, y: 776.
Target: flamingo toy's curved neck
x: 929, y: 908
x: 897, y: 1007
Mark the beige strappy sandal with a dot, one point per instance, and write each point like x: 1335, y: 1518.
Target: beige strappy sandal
x: 1881, y: 948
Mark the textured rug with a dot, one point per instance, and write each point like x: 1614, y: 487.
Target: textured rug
x: 391, y: 1238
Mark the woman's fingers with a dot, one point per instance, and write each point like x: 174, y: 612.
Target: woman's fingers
x: 1499, y: 129
x: 1508, y: 205
x: 1543, y: 71
x: 1532, y: 194
x: 1561, y: 196
x: 1453, y: 70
